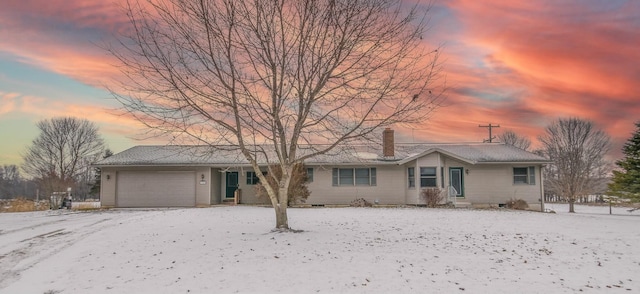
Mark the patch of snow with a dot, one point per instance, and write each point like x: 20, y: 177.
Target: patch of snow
x: 365, y: 155
x: 346, y: 250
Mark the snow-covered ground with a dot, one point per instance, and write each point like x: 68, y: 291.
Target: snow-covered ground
x: 346, y: 250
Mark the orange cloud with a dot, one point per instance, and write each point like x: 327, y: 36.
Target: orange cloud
x: 63, y: 36
x: 524, y: 64
x: 520, y: 64
x: 41, y: 108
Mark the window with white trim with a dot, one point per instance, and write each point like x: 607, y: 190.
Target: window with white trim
x: 252, y: 178
x: 354, y: 176
x: 310, y: 175
x: 524, y: 175
x: 411, y: 177
x: 428, y: 177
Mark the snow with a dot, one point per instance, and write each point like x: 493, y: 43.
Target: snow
x: 347, y: 250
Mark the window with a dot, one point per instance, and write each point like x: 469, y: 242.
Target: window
x: 363, y: 177
x: 524, y: 175
x: 354, y: 176
x: 252, y: 178
x: 345, y: 177
x: 310, y: 175
x: 411, y: 174
x: 428, y: 177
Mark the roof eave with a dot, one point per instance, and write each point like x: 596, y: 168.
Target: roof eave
x: 169, y: 165
x: 514, y: 162
x: 432, y: 150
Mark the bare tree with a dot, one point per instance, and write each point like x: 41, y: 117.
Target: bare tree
x: 510, y: 137
x: 271, y: 77
x: 10, y: 181
x: 577, y: 150
x: 14, y: 185
x: 62, y: 152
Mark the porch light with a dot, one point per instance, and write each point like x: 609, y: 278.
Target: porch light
x: 466, y: 171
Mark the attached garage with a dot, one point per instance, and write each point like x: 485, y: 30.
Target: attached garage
x: 156, y: 189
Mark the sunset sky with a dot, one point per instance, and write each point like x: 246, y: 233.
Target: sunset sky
x: 519, y: 63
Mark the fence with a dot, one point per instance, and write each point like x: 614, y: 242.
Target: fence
x: 553, y: 198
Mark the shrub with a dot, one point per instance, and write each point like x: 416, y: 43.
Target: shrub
x: 298, y: 190
x: 518, y: 204
x: 360, y: 202
x: 21, y: 204
x: 432, y: 197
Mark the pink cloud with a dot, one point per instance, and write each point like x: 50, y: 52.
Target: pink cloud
x: 519, y: 64
x: 63, y: 36
x: 7, y: 102
x: 524, y: 63
x: 43, y: 108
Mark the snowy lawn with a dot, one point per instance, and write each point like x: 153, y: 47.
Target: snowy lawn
x: 347, y: 250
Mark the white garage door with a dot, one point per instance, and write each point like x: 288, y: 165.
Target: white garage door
x: 156, y: 189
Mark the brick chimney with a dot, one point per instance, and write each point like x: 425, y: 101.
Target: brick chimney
x: 388, y: 144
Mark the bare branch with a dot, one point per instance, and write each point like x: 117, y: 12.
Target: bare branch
x: 62, y: 152
x: 577, y: 150
x: 277, y: 73
x: 510, y: 137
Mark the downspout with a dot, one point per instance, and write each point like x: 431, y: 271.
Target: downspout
x: 416, y: 180
x: 440, y: 170
x: 541, y: 188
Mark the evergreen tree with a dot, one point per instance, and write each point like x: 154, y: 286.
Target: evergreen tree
x: 626, y: 180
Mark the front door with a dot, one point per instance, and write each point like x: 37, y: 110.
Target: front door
x: 456, y: 181
x: 232, y: 184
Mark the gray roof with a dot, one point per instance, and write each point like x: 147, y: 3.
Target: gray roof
x: 174, y: 155
x: 476, y: 153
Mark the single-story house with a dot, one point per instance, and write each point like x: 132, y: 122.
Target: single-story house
x: 475, y: 174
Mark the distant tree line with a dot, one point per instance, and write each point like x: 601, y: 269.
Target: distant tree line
x: 578, y: 172
x: 14, y: 185
x: 58, y: 159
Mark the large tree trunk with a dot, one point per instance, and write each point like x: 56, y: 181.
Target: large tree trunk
x: 282, y: 221
x: 571, y: 202
x: 278, y: 192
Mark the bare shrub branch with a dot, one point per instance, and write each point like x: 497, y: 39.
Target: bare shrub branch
x: 510, y: 137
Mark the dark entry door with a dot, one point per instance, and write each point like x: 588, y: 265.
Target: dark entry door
x: 456, y: 181
x: 232, y: 184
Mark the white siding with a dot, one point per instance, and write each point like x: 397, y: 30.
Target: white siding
x: 484, y: 184
x: 215, y: 186
x: 412, y: 195
x: 493, y: 185
x: 388, y: 189
x: 108, y: 187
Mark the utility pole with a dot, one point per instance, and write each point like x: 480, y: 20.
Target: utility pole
x: 490, y: 127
